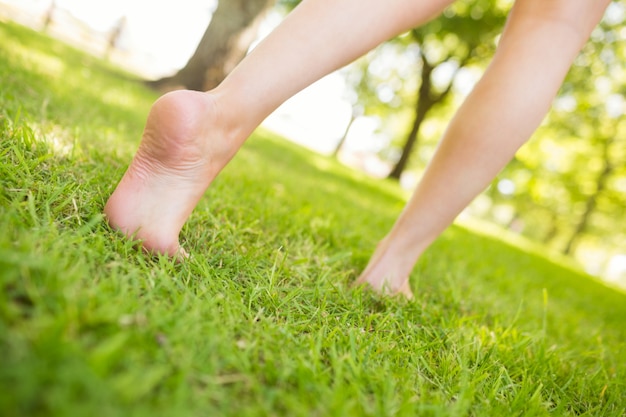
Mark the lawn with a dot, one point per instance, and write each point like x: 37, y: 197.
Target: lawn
x: 261, y: 320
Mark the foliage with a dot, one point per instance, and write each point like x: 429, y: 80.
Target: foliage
x: 566, y: 187
x: 260, y: 320
x: 569, y: 181
x: 288, y: 4
x: 412, y: 75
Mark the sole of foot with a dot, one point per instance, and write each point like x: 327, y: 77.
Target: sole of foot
x: 183, y: 148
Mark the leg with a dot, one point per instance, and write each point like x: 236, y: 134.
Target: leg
x: 190, y: 136
x: 540, y: 41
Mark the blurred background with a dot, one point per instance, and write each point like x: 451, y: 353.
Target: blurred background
x: 565, y: 191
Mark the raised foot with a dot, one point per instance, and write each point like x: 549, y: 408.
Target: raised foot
x: 183, y: 148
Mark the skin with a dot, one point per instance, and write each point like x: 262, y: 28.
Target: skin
x: 190, y: 136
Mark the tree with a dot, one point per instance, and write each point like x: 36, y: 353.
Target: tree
x: 360, y: 93
x: 465, y: 33
x: 591, y: 204
x: 225, y: 42
x: 598, y: 89
x: 570, y: 181
x: 427, y: 98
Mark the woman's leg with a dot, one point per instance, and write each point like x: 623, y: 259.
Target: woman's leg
x: 190, y: 136
x: 537, y: 47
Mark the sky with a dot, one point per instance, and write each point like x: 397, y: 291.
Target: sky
x: 164, y: 33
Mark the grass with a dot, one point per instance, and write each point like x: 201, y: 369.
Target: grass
x: 261, y: 320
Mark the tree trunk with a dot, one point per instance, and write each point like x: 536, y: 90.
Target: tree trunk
x: 590, y: 207
x: 343, y: 138
x: 423, y: 105
x: 47, y: 19
x: 552, y: 231
x: 225, y: 42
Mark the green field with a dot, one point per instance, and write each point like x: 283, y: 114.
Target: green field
x: 261, y: 320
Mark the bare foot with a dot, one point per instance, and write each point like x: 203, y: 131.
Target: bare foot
x: 183, y: 147
x: 387, y: 272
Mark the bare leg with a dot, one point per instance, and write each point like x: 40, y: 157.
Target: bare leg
x: 539, y: 43
x: 190, y: 136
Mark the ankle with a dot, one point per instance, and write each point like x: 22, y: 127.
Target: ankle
x: 236, y: 113
x: 405, y: 251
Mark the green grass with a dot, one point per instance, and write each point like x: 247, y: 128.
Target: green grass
x: 261, y: 320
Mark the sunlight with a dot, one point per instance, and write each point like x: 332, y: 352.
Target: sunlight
x: 616, y: 270
x: 59, y: 138
x: 160, y: 42
x: 615, y: 105
x: 316, y: 117
x: 168, y: 33
x: 121, y: 97
x: 157, y: 37
x: 45, y: 64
